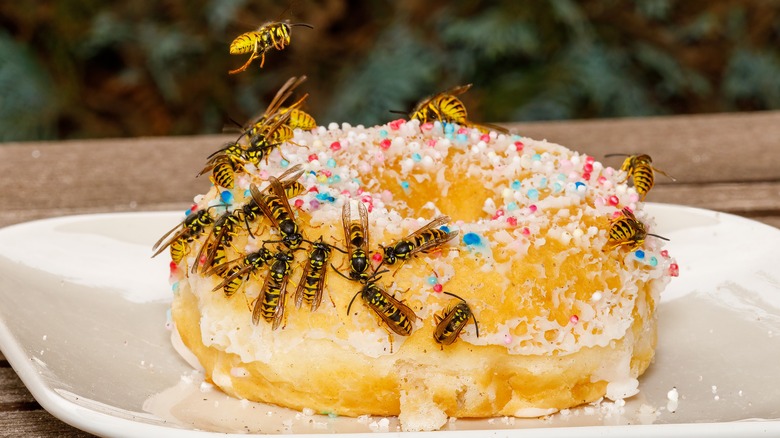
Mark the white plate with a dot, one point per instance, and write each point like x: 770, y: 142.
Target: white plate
x: 83, y: 314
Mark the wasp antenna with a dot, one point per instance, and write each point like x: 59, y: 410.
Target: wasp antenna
x: 397, y: 112
x: 302, y: 25
x: 352, y: 301
x: 616, y: 155
x: 656, y: 235
x: 453, y: 295
x: 476, y: 326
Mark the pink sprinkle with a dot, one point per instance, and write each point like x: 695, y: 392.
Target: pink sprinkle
x: 427, y: 126
x: 485, y: 138
x: 665, y: 253
x: 519, y: 146
x: 437, y: 287
x: 314, y: 189
x: 589, y: 160
x: 507, y: 339
x: 588, y: 167
x: 367, y: 199
x: 377, y: 257
x: 602, y: 179
x: 193, y: 207
x: 263, y: 174
x: 586, y: 176
x: 526, y: 231
x: 385, y: 144
x: 463, y: 131
x: 299, y: 202
x: 616, y: 214
x: 431, y: 142
x: 370, y: 208
x: 511, y: 220
x: 533, y: 208
x: 327, y: 173
x: 346, y: 192
x: 335, y: 146
x: 674, y: 270
x: 613, y: 200
x: 173, y: 267
x: 312, y: 157
x: 498, y: 214
x: 360, y: 190
x: 395, y: 124
x: 574, y: 319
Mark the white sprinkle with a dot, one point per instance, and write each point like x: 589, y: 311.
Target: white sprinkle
x: 206, y: 387
x: 44, y: 337
x: 596, y: 296
x: 673, y: 395
x: 308, y: 412
x: 714, y: 389
x: 332, y: 126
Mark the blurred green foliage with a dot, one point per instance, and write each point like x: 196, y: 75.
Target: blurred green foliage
x: 88, y: 68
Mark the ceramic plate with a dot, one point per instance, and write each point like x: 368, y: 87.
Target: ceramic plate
x: 83, y: 323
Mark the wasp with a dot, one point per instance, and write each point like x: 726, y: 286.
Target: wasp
x: 445, y: 107
x: 299, y: 119
x: 188, y: 230
x: 274, y: 34
x: 270, y: 302
x: 450, y: 323
x: 237, y: 275
x: 356, y: 235
x: 397, y: 315
x: 626, y: 230
x: 313, y: 278
x: 425, y: 239
x: 640, y: 169
x: 213, y: 251
x: 251, y: 211
x: 276, y: 207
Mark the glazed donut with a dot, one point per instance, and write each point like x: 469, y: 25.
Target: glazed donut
x: 496, y: 275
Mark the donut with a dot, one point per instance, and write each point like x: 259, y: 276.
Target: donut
x: 420, y: 270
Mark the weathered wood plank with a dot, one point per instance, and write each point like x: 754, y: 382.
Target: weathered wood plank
x: 37, y: 423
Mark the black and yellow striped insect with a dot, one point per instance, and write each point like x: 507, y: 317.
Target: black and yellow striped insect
x: 445, y: 107
x: 428, y: 238
x: 356, y: 236
x: 251, y: 211
x: 213, y: 251
x: 276, y: 207
x: 270, y: 303
x: 396, y: 315
x: 237, y: 275
x: 271, y: 35
x: 625, y: 230
x: 451, y: 322
x: 641, y: 171
x: 299, y: 119
x: 312, y: 280
x: 188, y: 230
x: 224, y: 163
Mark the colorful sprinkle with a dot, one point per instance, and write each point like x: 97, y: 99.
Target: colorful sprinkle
x: 312, y: 157
x: 395, y: 124
x: 449, y: 128
x: 471, y: 239
x: 385, y: 144
x: 485, y: 138
x: 519, y: 146
x: 533, y: 194
x: 587, y: 168
x: 536, y: 157
x: 511, y: 220
x: 284, y: 163
x: 639, y: 254
x: 432, y: 280
x: 532, y: 208
x: 383, y: 133
x: 674, y: 270
x: 512, y: 206
x: 462, y: 138
x: 613, y: 200
x: 315, y: 204
x: 427, y: 126
x: 226, y: 197
x: 437, y: 287
x: 405, y: 185
x: 507, y: 339
x: 664, y: 253
x: 516, y: 184
x: 299, y: 203
x: 653, y: 261
x: 173, y: 266
x: 377, y: 257
x: 335, y: 146
x: 416, y: 157
x: 574, y: 319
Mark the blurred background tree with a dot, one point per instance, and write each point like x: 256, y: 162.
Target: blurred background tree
x: 89, y: 68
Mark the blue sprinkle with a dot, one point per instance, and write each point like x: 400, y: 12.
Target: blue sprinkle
x: 543, y: 183
x: 336, y: 178
x: 175, y: 287
x: 432, y: 280
x: 533, y: 194
x: 188, y: 212
x: 579, y: 184
x: 226, y: 197
x: 471, y: 239
x: 416, y: 157
x: 284, y: 163
x: 327, y: 197
x: 331, y: 163
x: 653, y: 261
x: 383, y: 133
x: 639, y: 254
x: 516, y: 184
x: 536, y: 157
x: 449, y: 128
x: 511, y: 206
x: 445, y: 228
x: 562, y: 177
x: 449, y: 135
x: 329, y: 180
x: 247, y: 193
x: 462, y: 138
x: 405, y: 185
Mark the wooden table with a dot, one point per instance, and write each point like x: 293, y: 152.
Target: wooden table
x: 725, y: 162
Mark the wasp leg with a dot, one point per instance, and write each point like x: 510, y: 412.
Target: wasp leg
x: 246, y: 65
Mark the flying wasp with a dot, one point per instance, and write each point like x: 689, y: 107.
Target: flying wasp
x: 237, y: 275
x: 276, y: 207
x: 450, y: 323
x: 274, y: 34
x: 640, y: 169
x: 626, y: 230
x: 425, y: 239
x: 313, y: 278
x: 398, y: 316
x: 188, y: 230
x: 356, y: 235
x: 270, y: 302
x: 445, y: 107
